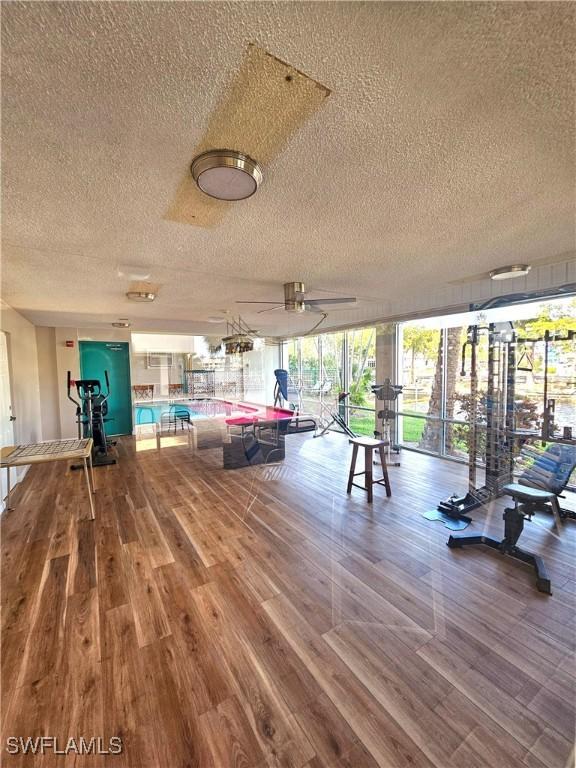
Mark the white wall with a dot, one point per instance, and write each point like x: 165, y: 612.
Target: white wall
x: 49, y: 383
x: 23, y: 357
x: 160, y: 377
x: 184, y: 350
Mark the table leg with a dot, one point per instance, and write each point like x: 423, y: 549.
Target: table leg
x: 92, y: 473
x: 352, y: 468
x: 368, y: 471
x: 8, y: 507
x: 92, y: 515
x: 385, y: 472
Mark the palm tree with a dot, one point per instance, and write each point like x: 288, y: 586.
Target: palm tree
x: 432, y: 435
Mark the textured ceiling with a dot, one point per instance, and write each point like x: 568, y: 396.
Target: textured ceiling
x: 445, y: 148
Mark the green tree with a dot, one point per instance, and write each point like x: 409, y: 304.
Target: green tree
x: 361, y: 346
x: 419, y: 340
x: 555, y: 317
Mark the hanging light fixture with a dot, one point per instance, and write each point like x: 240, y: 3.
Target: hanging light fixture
x: 237, y: 344
x: 238, y: 339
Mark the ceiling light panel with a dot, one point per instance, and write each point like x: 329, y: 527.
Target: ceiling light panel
x: 506, y: 273
x: 226, y: 174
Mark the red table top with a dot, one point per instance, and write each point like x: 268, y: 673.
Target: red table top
x: 252, y: 413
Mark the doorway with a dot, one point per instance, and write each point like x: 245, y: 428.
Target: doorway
x: 6, y: 415
x: 114, y: 357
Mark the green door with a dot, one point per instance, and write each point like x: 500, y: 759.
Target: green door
x: 114, y: 357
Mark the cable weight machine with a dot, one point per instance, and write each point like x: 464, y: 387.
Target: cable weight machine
x: 499, y: 428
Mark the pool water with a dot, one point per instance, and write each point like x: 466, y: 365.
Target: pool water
x: 152, y: 414
x: 201, y: 408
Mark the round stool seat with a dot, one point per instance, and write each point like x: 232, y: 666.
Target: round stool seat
x: 366, y: 442
x: 369, y: 444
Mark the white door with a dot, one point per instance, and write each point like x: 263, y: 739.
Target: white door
x: 6, y: 415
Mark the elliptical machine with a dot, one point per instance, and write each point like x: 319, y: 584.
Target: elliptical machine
x: 91, y: 414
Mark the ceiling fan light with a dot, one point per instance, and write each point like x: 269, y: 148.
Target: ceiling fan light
x: 506, y: 273
x: 226, y: 174
x: 140, y: 295
x: 294, y: 297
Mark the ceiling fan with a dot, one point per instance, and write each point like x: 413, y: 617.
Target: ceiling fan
x: 295, y: 301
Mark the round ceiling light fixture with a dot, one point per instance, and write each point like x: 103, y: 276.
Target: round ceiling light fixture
x: 226, y: 174
x: 506, y: 273
x: 140, y: 295
x: 122, y: 323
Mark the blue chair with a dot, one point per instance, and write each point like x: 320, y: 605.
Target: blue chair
x: 140, y: 410
x: 176, y: 415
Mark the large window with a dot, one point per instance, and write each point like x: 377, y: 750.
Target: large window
x: 322, y: 367
x: 421, y: 366
x: 361, y: 358
x: 437, y: 407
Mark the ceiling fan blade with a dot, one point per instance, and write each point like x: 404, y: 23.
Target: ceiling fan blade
x: 266, y: 102
x: 272, y: 309
x: 321, y: 302
x: 316, y: 308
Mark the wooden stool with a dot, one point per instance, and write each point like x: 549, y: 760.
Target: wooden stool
x: 369, y: 444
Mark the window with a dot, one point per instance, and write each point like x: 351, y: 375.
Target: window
x: 323, y: 366
x: 437, y: 404
x: 159, y: 360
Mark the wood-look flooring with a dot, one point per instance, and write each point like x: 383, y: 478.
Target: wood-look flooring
x: 260, y: 617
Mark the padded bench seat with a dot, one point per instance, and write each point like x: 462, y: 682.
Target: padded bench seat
x: 527, y: 493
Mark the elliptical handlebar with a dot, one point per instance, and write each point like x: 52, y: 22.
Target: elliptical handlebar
x: 107, y: 395
x: 69, y: 385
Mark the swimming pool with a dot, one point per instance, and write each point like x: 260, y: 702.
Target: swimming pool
x: 151, y: 413
x: 198, y: 408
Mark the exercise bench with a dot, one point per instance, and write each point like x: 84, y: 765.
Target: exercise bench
x: 545, y: 475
